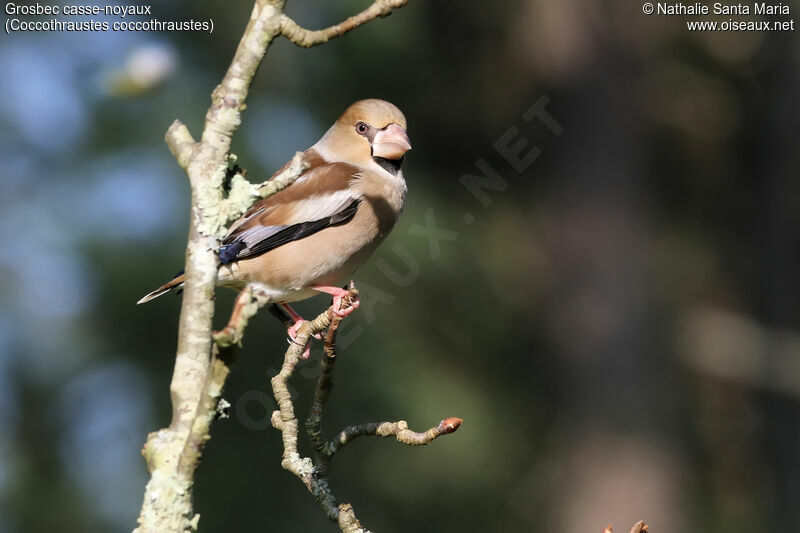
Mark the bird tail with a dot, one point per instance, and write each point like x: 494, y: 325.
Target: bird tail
x: 176, y: 282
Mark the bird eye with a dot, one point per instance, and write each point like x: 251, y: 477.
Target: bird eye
x: 362, y: 128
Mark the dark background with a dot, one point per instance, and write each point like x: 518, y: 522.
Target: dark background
x: 618, y: 327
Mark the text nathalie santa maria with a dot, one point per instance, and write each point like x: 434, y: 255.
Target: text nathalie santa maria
x: 719, y: 8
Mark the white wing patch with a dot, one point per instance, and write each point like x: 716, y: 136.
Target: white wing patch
x: 320, y: 206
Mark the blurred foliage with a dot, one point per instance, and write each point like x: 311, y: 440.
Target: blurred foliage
x: 555, y: 323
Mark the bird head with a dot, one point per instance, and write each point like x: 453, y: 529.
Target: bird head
x: 369, y: 131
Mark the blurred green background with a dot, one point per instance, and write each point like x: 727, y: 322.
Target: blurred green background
x: 618, y: 327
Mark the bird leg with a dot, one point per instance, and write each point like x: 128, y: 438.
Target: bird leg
x: 292, y: 330
x: 338, y: 295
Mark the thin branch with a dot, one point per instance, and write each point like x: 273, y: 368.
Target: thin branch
x: 180, y: 142
x: 398, y: 429
x: 308, y: 38
x: 243, y: 193
x: 172, y: 453
x: 285, y: 420
x: 321, y: 394
x: 325, y: 385
x: 314, y: 474
x: 245, y: 307
x: 347, y: 520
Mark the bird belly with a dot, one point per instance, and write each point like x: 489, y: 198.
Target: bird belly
x: 327, y: 257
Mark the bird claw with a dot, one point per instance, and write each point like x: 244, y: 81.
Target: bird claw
x: 306, y: 349
x: 340, y: 307
x: 344, y: 302
x: 338, y: 302
x: 292, y: 331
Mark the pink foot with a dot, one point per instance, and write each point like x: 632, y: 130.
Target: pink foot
x: 292, y: 330
x: 338, y: 293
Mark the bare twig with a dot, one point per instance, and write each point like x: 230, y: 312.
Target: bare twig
x: 308, y: 38
x: 245, y: 307
x: 398, y: 429
x: 285, y: 420
x: 325, y: 382
x: 347, y: 520
x: 180, y: 142
x: 314, y: 474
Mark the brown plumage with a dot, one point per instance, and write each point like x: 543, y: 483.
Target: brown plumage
x: 319, y: 230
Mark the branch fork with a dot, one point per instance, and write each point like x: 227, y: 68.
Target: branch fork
x: 314, y: 472
x: 308, y: 38
x: 202, y: 359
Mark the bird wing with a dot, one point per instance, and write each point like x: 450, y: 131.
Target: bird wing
x: 320, y: 198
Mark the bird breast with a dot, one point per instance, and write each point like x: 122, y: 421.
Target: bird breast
x: 329, y: 256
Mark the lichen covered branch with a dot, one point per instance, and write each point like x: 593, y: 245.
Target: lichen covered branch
x: 243, y: 194
x: 180, y: 143
x: 202, y: 359
x: 172, y: 453
x: 308, y: 38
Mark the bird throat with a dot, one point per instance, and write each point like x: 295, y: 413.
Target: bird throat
x: 392, y: 166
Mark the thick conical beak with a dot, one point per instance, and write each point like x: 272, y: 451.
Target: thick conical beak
x: 391, y: 143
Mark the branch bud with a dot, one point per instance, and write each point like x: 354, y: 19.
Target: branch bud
x: 449, y: 425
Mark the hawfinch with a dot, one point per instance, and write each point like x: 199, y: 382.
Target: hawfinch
x: 314, y: 234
